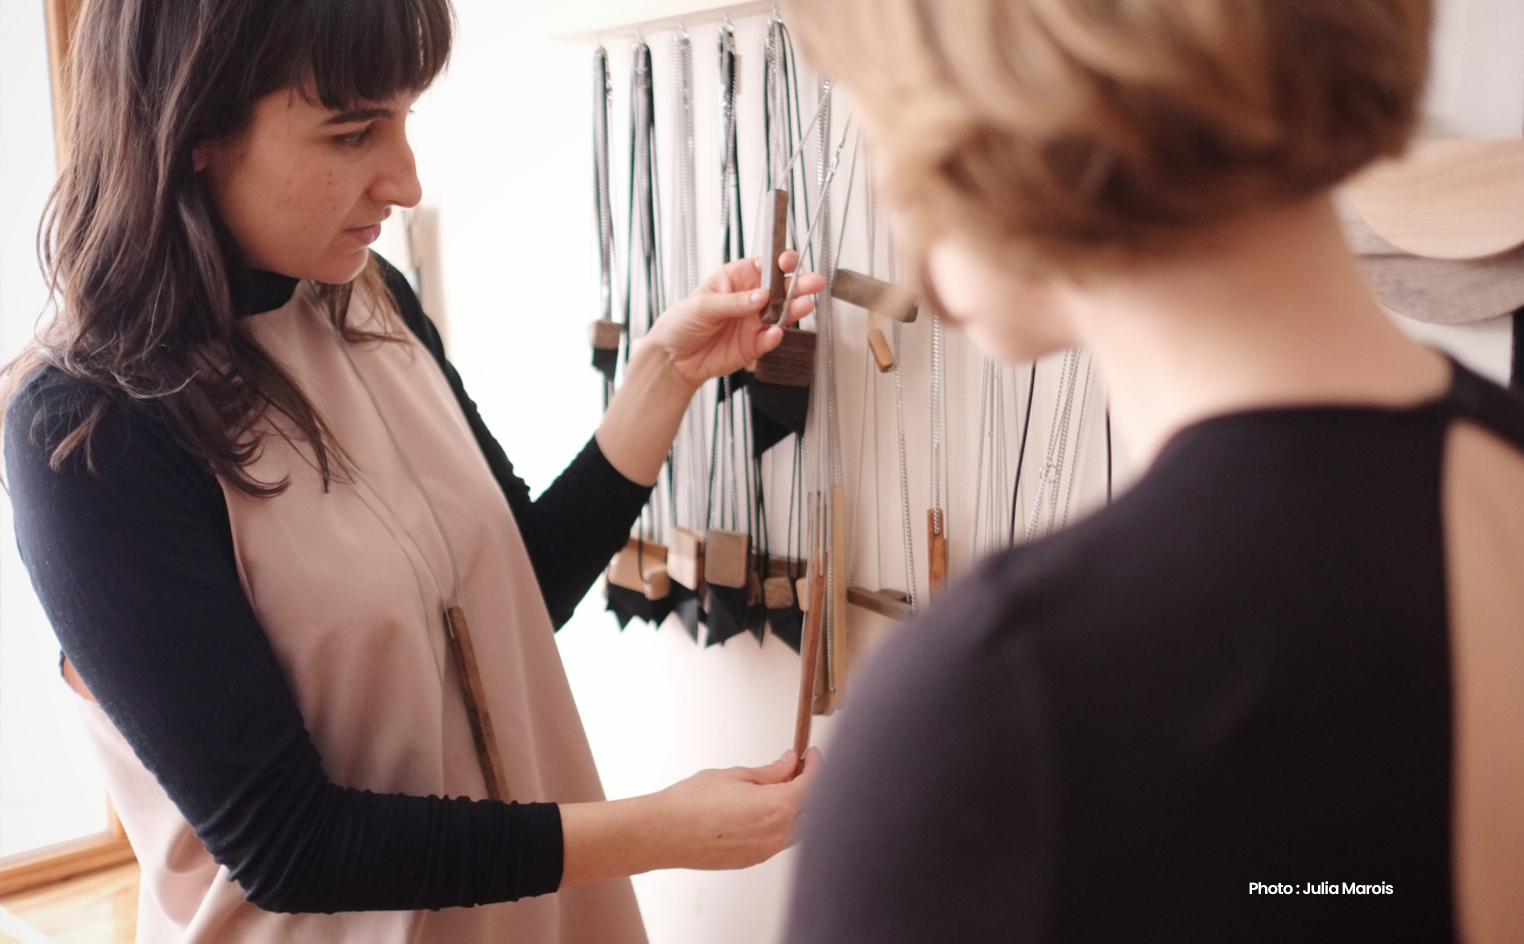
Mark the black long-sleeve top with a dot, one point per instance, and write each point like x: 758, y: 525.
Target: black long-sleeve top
x: 134, y: 564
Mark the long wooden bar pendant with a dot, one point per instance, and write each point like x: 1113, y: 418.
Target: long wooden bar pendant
x: 726, y: 558
x: 792, y: 362
x: 882, y: 298
x: 809, y: 655
x: 685, y: 558
x: 773, y: 239
x: 475, y: 695
x: 936, y: 546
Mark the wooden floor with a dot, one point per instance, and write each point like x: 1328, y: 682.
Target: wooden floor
x: 95, y: 909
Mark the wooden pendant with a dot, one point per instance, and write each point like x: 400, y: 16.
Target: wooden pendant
x: 890, y: 603
x: 641, y: 567
x: 778, y: 593
x: 883, y: 354
x: 882, y: 298
x: 802, y: 591
x: 792, y: 362
x: 685, y: 558
x: 726, y: 555
x: 475, y: 696
x: 773, y: 239
x: 809, y: 653
x: 605, y: 335
x: 936, y: 544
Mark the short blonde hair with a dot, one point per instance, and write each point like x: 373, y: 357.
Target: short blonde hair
x: 1064, y: 132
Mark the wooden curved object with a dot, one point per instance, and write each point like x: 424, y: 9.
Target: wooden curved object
x: 1447, y: 199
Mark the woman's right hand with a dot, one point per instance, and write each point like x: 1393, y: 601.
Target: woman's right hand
x: 716, y: 819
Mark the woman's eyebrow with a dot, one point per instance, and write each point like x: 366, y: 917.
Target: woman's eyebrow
x: 358, y: 114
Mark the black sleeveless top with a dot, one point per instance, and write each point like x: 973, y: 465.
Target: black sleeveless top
x: 1218, y: 710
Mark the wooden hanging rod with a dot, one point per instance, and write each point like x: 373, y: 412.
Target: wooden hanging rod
x: 587, y: 21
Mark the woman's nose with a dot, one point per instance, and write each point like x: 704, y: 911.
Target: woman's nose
x: 397, y: 183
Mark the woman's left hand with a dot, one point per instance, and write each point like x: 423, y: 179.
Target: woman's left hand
x: 719, y: 329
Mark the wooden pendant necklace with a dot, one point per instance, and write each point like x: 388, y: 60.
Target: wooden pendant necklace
x: 891, y: 603
x: 640, y: 569
x: 727, y: 548
x: 605, y: 334
x: 453, y: 614
x: 685, y: 560
x: 936, y: 517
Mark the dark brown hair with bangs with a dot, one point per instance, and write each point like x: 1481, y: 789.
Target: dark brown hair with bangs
x: 140, y: 268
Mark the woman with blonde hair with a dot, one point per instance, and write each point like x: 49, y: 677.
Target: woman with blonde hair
x: 1271, y: 693
x: 306, y: 602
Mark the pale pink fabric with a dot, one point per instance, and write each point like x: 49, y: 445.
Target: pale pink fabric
x: 350, y: 585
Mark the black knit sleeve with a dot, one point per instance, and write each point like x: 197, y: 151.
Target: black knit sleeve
x: 578, y: 523
x: 134, y: 566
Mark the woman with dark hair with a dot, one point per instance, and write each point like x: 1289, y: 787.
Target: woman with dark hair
x: 1272, y: 693
x: 306, y: 603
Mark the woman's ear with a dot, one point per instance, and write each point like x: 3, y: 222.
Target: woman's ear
x: 201, y: 156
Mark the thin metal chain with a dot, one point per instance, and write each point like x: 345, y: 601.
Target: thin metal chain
x: 690, y: 442
x: 1079, y: 434
x: 938, y: 415
x: 728, y: 89
x: 1058, y: 443
x: 603, y: 90
x: 831, y: 474
x: 899, y: 423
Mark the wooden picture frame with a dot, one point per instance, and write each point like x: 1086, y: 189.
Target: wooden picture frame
x: 61, y: 15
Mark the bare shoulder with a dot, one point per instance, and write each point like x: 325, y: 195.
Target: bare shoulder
x: 1484, y: 539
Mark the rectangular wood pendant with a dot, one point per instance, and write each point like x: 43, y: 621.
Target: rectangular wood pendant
x: 630, y: 566
x: 469, y: 676
x: 802, y: 591
x: 792, y: 362
x: 772, y: 239
x: 883, y: 354
x: 884, y: 299
x: 936, y: 545
x: 726, y: 555
x: 778, y: 593
x: 657, y: 581
x: 685, y: 558
x: 605, y: 335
